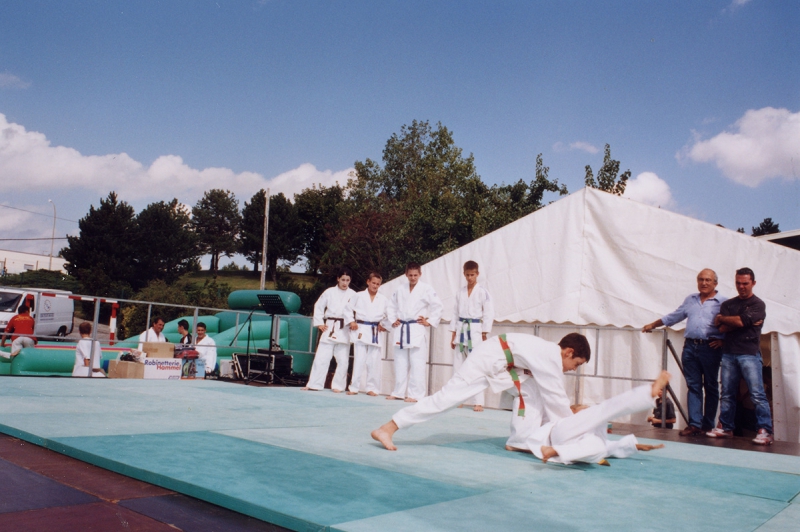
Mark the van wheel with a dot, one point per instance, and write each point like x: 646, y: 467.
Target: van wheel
x: 62, y: 333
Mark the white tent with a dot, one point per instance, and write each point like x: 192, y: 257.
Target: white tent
x: 597, y: 259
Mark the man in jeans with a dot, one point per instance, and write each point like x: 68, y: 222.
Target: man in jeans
x: 701, y: 351
x: 741, y: 319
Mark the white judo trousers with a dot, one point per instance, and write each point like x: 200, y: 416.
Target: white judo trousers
x: 410, y: 342
x: 322, y: 361
x: 366, y: 359
x: 543, y: 392
x: 477, y: 309
x: 334, y: 342
x: 582, y: 437
x: 458, y: 361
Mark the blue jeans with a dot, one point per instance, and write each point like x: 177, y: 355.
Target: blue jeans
x: 734, y: 368
x: 701, y: 370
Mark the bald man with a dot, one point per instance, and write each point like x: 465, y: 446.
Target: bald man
x: 702, y: 351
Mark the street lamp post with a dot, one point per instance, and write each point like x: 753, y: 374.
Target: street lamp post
x: 53, y: 237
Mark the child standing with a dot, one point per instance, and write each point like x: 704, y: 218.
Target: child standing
x: 83, y: 353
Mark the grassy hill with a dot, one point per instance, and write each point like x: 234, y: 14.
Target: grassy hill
x: 245, y: 280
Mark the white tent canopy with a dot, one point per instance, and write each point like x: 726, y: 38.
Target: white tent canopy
x: 597, y: 259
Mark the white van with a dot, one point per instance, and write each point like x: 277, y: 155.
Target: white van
x: 53, y: 314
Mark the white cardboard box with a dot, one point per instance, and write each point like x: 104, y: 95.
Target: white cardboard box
x: 163, y: 368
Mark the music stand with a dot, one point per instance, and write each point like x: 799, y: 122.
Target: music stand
x: 271, y: 304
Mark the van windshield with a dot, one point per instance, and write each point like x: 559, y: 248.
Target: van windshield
x: 8, y: 301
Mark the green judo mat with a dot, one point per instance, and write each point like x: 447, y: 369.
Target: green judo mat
x: 305, y: 461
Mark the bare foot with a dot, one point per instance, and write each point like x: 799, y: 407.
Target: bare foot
x: 548, y: 453
x: 410, y: 400
x: 372, y: 394
x: 604, y: 462
x: 336, y: 391
x: 352, y: 393
x: 460, y: 406
x: 305, y: 388
x: 660, y: 383
x: 392, y: 398
x: 644, y: 447
x: 517, y: 450
x: 477, y: 408
x: 384, y: 435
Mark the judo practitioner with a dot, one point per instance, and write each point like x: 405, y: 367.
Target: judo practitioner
x: 334, y: 339
x: 414, y: 306
x: 534, y: 367
x: 366, y: 317
x: 472, y: 321
x: 582, y: 437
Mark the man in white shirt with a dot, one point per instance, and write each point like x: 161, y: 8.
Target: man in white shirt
x: 334, y: 337
x: 206, y: 349
x: 414, y: 307
x: 153, y: 334
x: 533, y: 366
x: 472, y: 321
x: 366, y: 319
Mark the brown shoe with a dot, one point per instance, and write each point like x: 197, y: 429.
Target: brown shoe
x: 691, y: 431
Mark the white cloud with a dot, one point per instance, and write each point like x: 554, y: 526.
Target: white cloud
x: 650, y: 189
x: 764, y: 143
x: 580, y: 145
x: 28, y: 157
x: 9, y: 80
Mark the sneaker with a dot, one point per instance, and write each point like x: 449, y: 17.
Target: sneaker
x: 691, y: 430
x: 763, y: 438
x: 719, y: 433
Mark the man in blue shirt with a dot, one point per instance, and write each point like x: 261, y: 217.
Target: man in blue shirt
x: 702, y: 351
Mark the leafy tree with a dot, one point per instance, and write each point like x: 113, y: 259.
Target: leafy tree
x: 101, y: 256
x: 607, y: 175
x: 284, y: 240
x: 767, y: 227
x: 317, y: 212
x: 507, y: 203
x: 165, y: 243
x: 216, y: 221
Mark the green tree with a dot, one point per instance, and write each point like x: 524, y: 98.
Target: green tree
x: 767, y: 227
x: 166, y: 246
x: 101, y: 256
x: 607, y: 175
x: 284, y: 240
x: 216, y: 221
x: 317, y: 211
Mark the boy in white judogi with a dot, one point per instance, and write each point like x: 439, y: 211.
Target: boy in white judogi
x: 414, y: 306
x: 582, y: 437
x: 472, y: 321
x: 366, y: 314
x: 534, y: 367
x: 334, y: 336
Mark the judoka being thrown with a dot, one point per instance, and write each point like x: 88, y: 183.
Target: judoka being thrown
x: 533, y: 366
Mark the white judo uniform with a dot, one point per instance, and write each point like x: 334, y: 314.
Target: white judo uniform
x: 473, y: 315
x: 410, y: 346
x: 582, y: 437
x: 542, y: 386
x: 367, y: 340
x: 335, y: 341
x: 83, y: 352
x: 207, y: 353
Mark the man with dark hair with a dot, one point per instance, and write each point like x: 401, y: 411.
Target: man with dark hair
x: 413, y: 308
x: 702, y: 351
x: 207, y: 351
x: 533, y: 366
x: 22, y: 326
x: 183, y: 330
x: 741, y: 318
x: 153, y: 334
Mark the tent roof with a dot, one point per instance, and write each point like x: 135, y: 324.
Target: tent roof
x: 596, y: 258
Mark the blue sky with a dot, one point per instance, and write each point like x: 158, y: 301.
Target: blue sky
x: 700, y: 100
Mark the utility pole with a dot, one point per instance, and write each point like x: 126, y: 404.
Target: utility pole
x: 264, y: 247
x: 53, y: 238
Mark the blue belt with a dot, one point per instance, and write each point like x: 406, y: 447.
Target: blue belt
x: 374, y: 329
x: 407, y: 326
x: 466, y: 346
